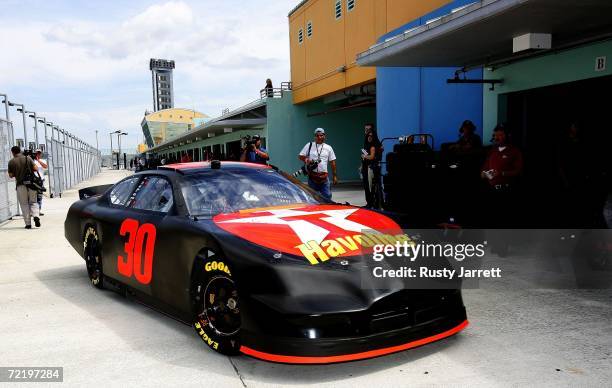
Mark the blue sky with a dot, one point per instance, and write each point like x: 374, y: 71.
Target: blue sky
x: 84, y: 65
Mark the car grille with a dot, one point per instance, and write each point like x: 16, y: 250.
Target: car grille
x: 409, y: 308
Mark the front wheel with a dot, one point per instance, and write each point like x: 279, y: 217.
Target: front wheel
x: 217, y: 306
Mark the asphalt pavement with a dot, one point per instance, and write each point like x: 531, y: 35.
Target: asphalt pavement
x: 52, y: 316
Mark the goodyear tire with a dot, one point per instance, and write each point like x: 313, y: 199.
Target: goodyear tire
x: 217, y: 306
x: 92, y: 252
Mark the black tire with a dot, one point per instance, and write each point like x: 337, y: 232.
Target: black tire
x: 216, y: 304
x: 92, y: 252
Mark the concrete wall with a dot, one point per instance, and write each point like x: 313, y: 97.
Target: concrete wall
x: 554, y: 68
x: 290, y: 128
x: 418, y: 100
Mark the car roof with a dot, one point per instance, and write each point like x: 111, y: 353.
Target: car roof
x: 195, y: 167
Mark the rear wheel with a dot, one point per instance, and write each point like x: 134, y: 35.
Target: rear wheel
x: 217, y: 305
x: 92, y: 251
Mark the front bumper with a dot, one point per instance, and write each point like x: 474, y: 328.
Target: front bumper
x: 340, y: 349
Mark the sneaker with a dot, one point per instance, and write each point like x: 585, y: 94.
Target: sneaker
x: 28, y: 226
x: 36, y: 222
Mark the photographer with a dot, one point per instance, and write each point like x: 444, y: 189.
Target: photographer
x: 315, y: 156
x: 253, y: 152
x: 22, y: 168
x: 41, y: 165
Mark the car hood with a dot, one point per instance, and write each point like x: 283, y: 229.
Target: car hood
x: 317, y: 233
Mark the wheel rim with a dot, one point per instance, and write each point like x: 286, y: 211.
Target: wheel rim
x: 221, y: 305
x: 93, y: 259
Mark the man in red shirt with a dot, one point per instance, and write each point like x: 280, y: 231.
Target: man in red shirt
x: 502, y: 168
x: 504, y: 163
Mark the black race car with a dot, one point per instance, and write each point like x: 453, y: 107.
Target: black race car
x: 255, y: 261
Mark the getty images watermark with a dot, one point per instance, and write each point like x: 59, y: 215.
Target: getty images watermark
x: 477, y: 258
x: 417, y: 250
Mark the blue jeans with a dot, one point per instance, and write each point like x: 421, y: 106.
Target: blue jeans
x: 323, y: 188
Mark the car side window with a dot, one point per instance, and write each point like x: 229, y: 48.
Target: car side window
x: 120, y: 194
x: 154, y: 193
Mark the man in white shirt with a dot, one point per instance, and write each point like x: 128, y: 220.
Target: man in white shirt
x: 42, y: 166
x: 322, y: 154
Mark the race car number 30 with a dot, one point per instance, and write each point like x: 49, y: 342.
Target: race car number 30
x: 132, y: 263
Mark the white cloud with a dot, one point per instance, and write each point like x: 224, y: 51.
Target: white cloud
x: 93, y: 74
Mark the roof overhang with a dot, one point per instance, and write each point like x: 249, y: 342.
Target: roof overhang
x: 234, y: 120
x: 482, y: 33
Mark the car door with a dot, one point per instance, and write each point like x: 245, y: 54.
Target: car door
x: 110, y: 213
x: 142, y: 231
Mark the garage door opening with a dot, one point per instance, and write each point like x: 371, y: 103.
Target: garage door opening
x: 538, y: 122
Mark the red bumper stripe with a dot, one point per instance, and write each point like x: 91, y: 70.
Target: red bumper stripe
x: 350, y: 357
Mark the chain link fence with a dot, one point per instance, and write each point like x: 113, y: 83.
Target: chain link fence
x: 69, y: 160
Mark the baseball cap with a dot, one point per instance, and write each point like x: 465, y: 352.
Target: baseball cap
x: 256, y: 137
x: 38, y: 150
x: 319, y: 130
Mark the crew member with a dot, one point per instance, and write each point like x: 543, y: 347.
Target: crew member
x: 370, y: 166
x: 502, y: 168
x: 20, y: 167
x: 468, y: 139
x: 255, y: 153
x: 319, y: 153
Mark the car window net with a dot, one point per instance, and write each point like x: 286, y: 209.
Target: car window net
x: 120, y: 194
x: 155, y: 194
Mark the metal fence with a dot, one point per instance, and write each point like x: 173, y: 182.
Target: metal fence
x: 275, y: 92
x: 70, y: 161
x: 8, y: 194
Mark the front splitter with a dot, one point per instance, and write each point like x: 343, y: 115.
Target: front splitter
x: 285, y: 359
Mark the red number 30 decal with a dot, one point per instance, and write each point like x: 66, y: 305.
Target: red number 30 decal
x: 133, y: 263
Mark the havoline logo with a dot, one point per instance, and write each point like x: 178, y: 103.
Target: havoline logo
x: 317, y: 232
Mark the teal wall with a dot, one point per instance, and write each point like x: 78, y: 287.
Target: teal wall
x: 290, y: 128
x: 551, y: 69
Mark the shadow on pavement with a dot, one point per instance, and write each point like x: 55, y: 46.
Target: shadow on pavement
x: 172, y: 342
x: 270, y: 373
x: 134, y: 323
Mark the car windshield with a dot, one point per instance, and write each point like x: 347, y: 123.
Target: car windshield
x: 213, y: 192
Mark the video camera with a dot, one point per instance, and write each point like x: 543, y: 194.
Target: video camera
x: 306, y: 168
x: 249, y: 142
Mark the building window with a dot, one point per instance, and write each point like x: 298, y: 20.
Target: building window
x: 300, y: 36
x: 350, y: 4
x: 309, y: 29
x: 338, y: 9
